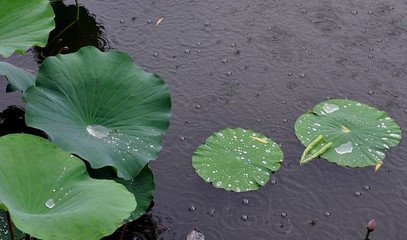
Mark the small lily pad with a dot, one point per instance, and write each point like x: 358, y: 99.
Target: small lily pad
x: 50, y: 196
x: 358, y: 135
x: 102, y: 107
x: 25, y: 23
x: 237, y: 159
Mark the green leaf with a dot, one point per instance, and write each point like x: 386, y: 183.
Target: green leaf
x: 237, y: 159
x: 25, y: 23
x: 18, y: 78
x: 360, y: 134
x: 50, y: 195
x: 102, y: 107
x: 142, y: 187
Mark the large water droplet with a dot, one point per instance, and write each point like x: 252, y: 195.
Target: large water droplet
x: 50, y: 203
x: 329, y: 108
x: 344, y: 148
x: 98, y: 131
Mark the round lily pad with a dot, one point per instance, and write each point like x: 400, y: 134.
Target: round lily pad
x: 25, y: 23
x: 237, y: 159
x: 50, y: 196
x: 102, y: 107
x: 356, y: 134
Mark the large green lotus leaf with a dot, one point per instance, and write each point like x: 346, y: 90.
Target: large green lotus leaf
x: 50, y: 196
x: 102, y: 107
x: 18, y: 78
x: 237, y: 159
x: 359, y: 135
x: 141, y: 186
x: 24, y: 23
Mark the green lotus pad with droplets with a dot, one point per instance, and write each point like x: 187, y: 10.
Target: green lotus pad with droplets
x: 237, y: 159
x: 24, y: 23
x: 50, y: 196
x: 102, y: 107
x: 358, y: 135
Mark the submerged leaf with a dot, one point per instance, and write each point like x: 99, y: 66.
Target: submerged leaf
x: 18, y: 78
x: 102, y: 107
x: 50, y: 196
x: 25, y: 23
x: 360, y: 134
x: 237, y: 159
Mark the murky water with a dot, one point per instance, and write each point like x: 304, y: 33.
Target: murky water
x: 259, y: 65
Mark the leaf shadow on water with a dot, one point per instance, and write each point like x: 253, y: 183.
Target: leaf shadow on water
x: 68, y: 39
x: 12, y: 121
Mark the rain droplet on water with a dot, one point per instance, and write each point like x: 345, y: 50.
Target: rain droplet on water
x: 246, y: 201
x: 50, y: 203
x: 98, y: 131
x: 344, y: 148
x: 192, y: 208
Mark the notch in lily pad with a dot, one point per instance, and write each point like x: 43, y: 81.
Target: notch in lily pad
x: 237, y: 159
x: 102, y: 107
x: 347, y: 132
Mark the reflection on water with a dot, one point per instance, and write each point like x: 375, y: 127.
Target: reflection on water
x: 63, y: 39
x: 12, y: 121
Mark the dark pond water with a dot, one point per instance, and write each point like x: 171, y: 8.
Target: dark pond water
x: 258, y: 65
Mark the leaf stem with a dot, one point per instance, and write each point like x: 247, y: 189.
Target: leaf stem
x: 77, y: 10
x: 367, y: 234
x: 10, y: 226
x: 316, y: 154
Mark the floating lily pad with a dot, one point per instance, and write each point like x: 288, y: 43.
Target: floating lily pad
x: 237, y: 159
x: 25, y: 23
x: 142, y: 187
x: 102, y: 107
x: 50, y: 196
x: 359, y: 135
x: 18, y: 78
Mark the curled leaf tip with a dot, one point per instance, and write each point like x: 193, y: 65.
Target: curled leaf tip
x: 262, y: 140
x: 306, y: 157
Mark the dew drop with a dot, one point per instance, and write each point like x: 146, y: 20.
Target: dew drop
x: 358, y: 194
x: 329, y: 108
x: 244, y: 217
x: 98, y: 131
x: 344, y: 148
x: 327, y: 214
x: 367, y: 188
x: 283, y: 215
x: 50, y: 203
x: 245, y: 201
